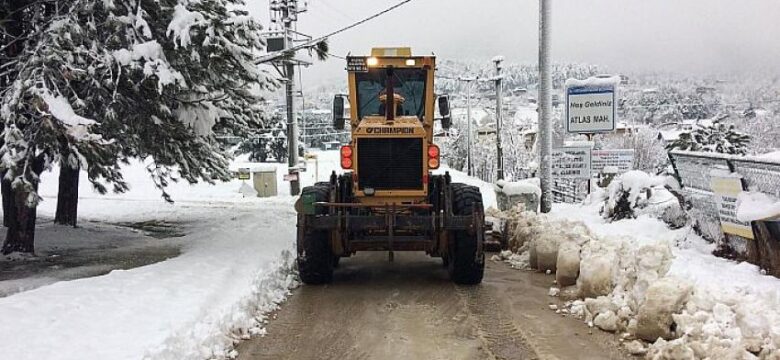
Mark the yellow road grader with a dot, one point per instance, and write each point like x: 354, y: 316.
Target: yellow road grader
x: 388, y: 199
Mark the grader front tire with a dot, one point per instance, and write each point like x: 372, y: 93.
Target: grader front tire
x: 466, y: 263
x: 316, y: 262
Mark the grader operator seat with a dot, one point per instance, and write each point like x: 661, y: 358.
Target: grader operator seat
x: 399, y: 100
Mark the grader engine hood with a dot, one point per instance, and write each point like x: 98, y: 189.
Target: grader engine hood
x: 390, y: 157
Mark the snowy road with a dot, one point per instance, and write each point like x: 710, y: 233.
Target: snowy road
x: 409, y: 309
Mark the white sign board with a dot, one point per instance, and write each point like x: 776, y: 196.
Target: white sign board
x: 726, y: 190
x: 620, y: 159
x: 290, y: 177
x: 590, y: 108
x: 571, y: 163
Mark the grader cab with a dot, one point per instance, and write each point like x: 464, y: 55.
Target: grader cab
x: 388, y: 199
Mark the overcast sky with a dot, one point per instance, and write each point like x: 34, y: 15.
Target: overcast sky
x: 680, y: 36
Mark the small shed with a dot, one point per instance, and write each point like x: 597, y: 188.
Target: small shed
x: 264, y: 180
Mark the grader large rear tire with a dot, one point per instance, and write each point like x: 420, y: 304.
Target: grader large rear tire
x: 466, y: 266
x: 315, y: 264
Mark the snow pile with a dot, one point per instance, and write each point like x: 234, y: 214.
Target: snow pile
x: 217, y: 332
x: 627, y: 191
x: 625, y: 277
x: 755, y: 206
x: 635, y: 193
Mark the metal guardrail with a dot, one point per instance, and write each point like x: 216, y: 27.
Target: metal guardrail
x: 569, y: 190
x: 693, y: 170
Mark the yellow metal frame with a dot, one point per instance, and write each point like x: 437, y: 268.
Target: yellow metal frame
x: 421, y: 129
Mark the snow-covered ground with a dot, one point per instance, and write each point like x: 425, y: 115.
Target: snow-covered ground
x: 92, y: 249
x: 235, y: 266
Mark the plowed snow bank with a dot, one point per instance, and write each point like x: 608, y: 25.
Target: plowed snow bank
x: 645, y: 281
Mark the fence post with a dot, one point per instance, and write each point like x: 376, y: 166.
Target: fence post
x: 752, y: 250
x: 674, y: 166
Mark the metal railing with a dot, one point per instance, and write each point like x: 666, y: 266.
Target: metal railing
x: 694, y: 170
x: 569, y: 190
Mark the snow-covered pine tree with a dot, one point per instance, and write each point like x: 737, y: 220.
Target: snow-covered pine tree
x: 202, y: 55
x: 36, y: 120
x: 718, y: 137
x: 454, y: 147
x: 112, y: 79
x: 278, y: 143
x: 256, y: 147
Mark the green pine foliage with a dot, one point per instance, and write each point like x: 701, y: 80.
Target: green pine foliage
x: 719, y: 137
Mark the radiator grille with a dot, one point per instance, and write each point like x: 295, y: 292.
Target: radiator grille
x: 390, y: 163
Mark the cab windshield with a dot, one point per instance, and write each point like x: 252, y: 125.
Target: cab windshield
x: 408, y: 83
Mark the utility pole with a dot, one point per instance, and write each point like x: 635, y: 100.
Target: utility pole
x: 292, y: 131
x: 468, y: 118
x: 468, y: 82
x: 292, y: 122
x: 280, y: 39
x: 499, y: 107
x: 545, y: 107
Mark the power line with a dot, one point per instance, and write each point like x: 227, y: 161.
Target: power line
x: 361, y: 21
x: 333, y: 9
x: 310, y: 43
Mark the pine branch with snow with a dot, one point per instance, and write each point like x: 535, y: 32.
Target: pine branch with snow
x: 113, y: 79
x: 717, y: 137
